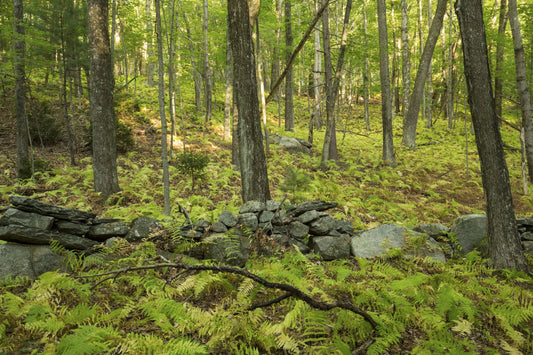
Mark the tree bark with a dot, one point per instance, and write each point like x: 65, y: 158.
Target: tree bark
x: 195, y: 74
x: 500, y: 46
x: 254, y: 176
x: 289, y: 104
x: 101, y: 100
x: 504, y: 244
x: 523, y: 88
x: 406, y: 64
x: 23, y: 157
x: 150, y: 64
x: 386, y: 106
x: 228, y: 76
x: 317, y: 69
x: 411, y: 119
x: 366, y: 81
x: 207, y: 68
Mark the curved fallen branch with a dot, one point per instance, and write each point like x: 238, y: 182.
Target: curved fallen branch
x: 290, y: 291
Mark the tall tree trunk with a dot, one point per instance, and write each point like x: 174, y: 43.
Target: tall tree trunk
x: 521, y: 82
x: 228, y: 76
x: 150, y: 65
x: 386, y: 107
x: 261, y: 86
x: 254, y: 175
x: 317, y: 69
x: 411, y: 119
x: 449, y: 75
x: 113, y: 32
x: 275, y: 69
x: 289, y: 105
x: 171, y: 73
x: 195, y: 73
x: 101, y: 100
x: 207, y: 69
x: 500, y: 46
x: 504, y: 244
x: 427, y: 93
x: 406, y: 64
x: 366, y: 81
x: 161, y: 96
x: 23, y: 157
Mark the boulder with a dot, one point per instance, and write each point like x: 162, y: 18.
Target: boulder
x: 266, y: 216
x: 219, y: 227
x: 309, y: 206
x: 298, y: 230
x: 228, y: 218
x: 322, y: 226
x: 103, y: 231
x: 331, y: 248
x: 293, y: 145
x: 142, y: 227
x: 470, y: 231
x: 21, y: 218
x: 376, y: 242
x: 228, y: 249
x: 29, y: 235
x: 310, y: 216
x: 252, y: 207
x: 433, y: 230
x: 31, y: 205
x: 71, y: 227
x: 249, y: 220
x: 528, y: 247
x: 19, y: 260
x: 272, y: 205
x: 527, y: 236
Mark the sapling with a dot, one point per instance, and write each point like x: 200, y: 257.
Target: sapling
x: 192, y: 164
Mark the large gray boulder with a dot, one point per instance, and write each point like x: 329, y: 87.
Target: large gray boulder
x: 470, y: 230
x: 19, y: 260
x: 375, y: 242
x: 229, y: 249
x: 228, y: 218
x: 293, y: 145
x: 14, y: 233
x: 21, y: 218
x: 322, y: 226
x: 103, y: 231
x: 331, y: 248
x: 141, y: 228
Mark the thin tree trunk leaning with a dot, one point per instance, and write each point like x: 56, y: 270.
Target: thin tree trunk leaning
x: 254, y: 176
x: 329, y: 150
x: 504, y: 245
x: 23, y: 157
x: 289, y: 104
x: 500, y: 46
x: 101, y: 100
x: 297, y: 50
x: 195, y: 74
x: 207, y: 69
x: 411, y: 119
x: 161, y: 82
x: 521, y: 82
x: 386, y: 105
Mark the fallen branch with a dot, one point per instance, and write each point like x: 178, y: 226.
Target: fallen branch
x: 290, y: 291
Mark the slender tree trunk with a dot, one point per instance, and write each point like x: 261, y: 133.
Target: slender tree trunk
x: 366, y: 81
x: 23, y: 156
x: 113, y: 32
x: 523, y: 88
x: 171, y: 73
x: 150, y: 65
x: 195, y: 73
x: 406, y: 64
x: 411, y: 119
x: 504, y: 244
x: 500, y: 46
x: 449, y: 75
x: 228, y: 75
x: 289, y: 106
x: 317, y: 69
x: 427, y: 93
x: 261, y: 87
x: 254, y: 175
x: 101, y: 100
x: 275, y: 69
x: 386, y: 107
x: 207, y: 69
x: 161, y: 82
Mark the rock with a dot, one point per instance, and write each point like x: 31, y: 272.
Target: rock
x: 272, y: 205
x: 376, y: 241
x: 19, y: 260
x: 527, y: 236
x: 228, y: 218
x: 266, y: 216
x: 29, y: 235
x: 528, y: 247
x: 202, y: 225
x: 331, y: 248
x: 219, y: 227
x: 30, y: 205
x: 344, y: 227
x: 298, y: 230
x: 432, y: 229
x: 26, y: 219
x: 103, y: 231
x: 470, y: 231
x: 252, y: 206
x: 249, y: 220
x: 109, y: 243
x: 293, y: 145
x: 228, y: 249
x: 309, y: 206
x: 322, y: 226
x: 142, y: 227
x: 71, y: 227
x: 309, y: 216
x: 304, y: 249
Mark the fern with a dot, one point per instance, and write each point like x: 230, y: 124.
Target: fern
x: 88, y: 340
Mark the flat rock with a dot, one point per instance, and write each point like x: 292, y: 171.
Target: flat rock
x: 298, y: 230
x: 249, y: 220
x: 252, y: 206
x: 309, y: 216
x: 432, y: 229
x: 272, y: 205
x: 293, y: 145
x: 266, y: 216
x: 228, y: 218
x: 31, y: 205
x: 322, y: 226
x: 103, y: 231
x: 331, y: 248
x: 309, y: 206
x: 71, y: 227
x: 29, y: 235
x: 19, y: 260
x: 27, y: 219
x: 142, y: 227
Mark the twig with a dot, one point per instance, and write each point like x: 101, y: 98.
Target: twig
x: 290, y: 290
x: 185, y: 213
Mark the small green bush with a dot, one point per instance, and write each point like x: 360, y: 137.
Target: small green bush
x: 192, y: 164
x: 44, y: 128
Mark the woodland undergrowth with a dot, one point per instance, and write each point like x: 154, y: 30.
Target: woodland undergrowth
x: 421, y: 306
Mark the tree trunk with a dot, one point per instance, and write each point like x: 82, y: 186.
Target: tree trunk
x: 254, y: 176
x: 504, y: 244
x: 289, y: 104
x: 195, y: 74
x: 207, y: 69
x: 386, y: 107
x: 500, y: 46
x: 228, y: 76
x: 317, y: 69
x: 161, y: 82
x: 411, y: 119
x: 150, y: 69
x: 406, y: 64
x: 24, y: 168
x: 171, y: 74
x: 523, y: 88
x: 101, y: 100
x: 366, y: 81
x: 449, y: 76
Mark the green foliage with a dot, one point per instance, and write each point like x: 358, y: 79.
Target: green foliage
x: 193, y: 165
x: 31, y: 168
x: 296, y: 183
x: 45, y: 128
